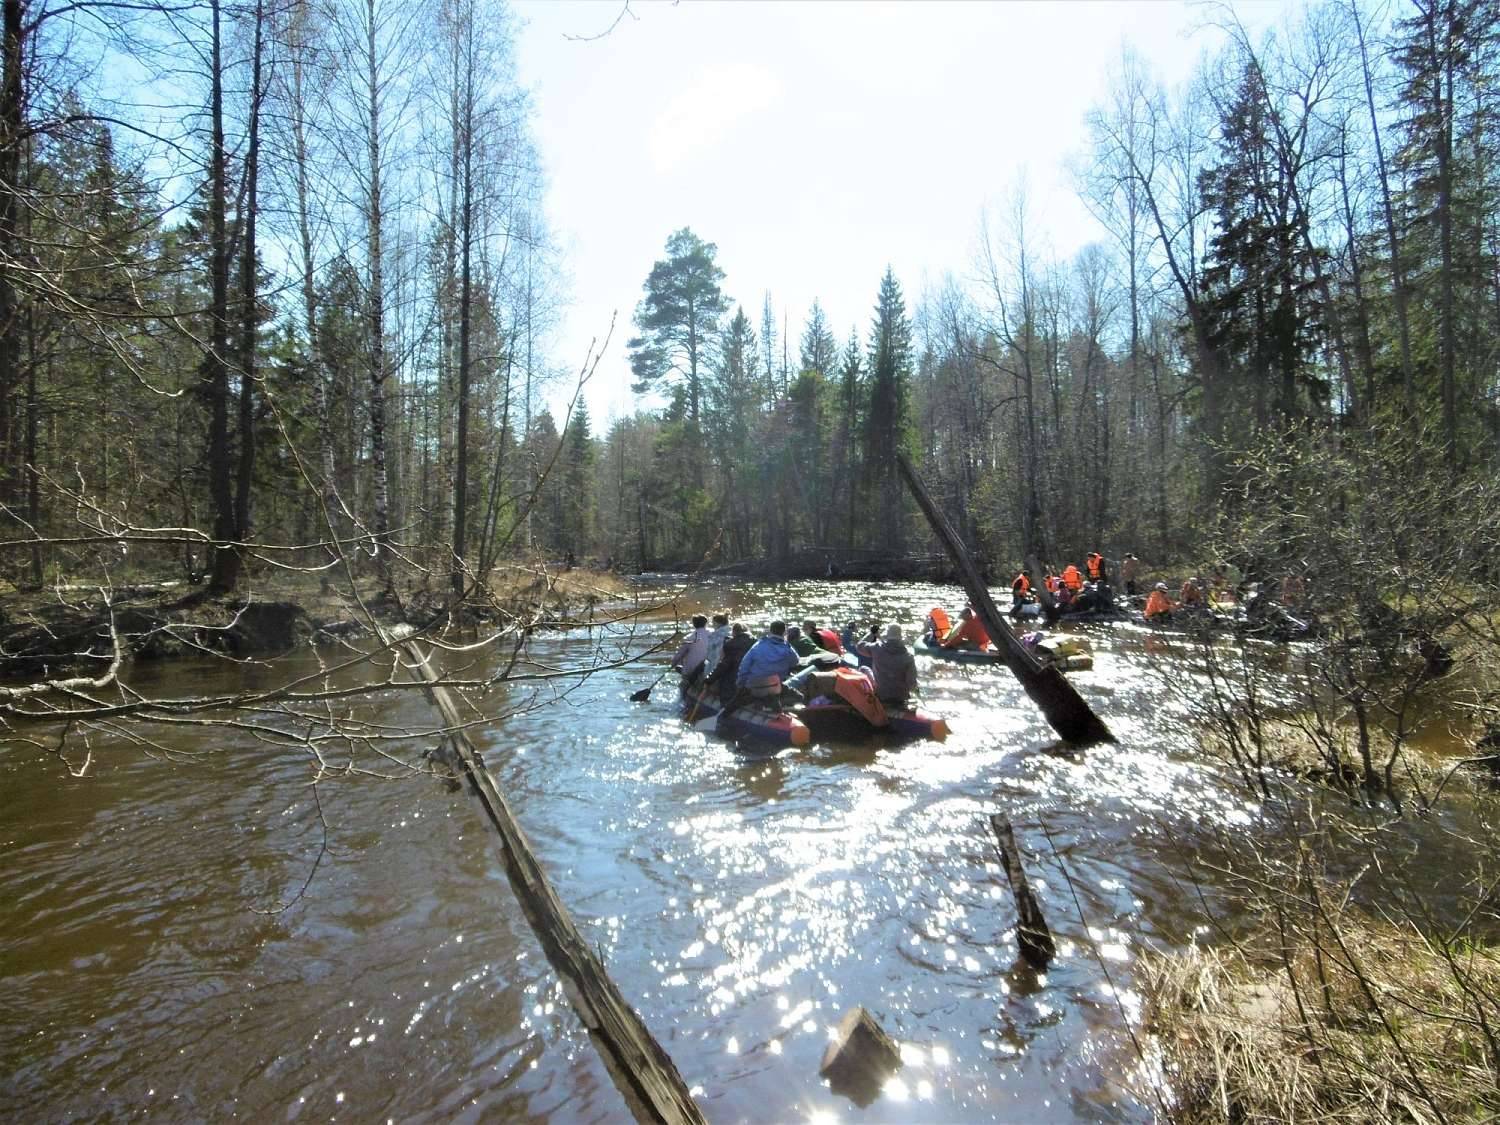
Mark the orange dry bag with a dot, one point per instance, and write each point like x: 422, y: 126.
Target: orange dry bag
x: 855, y: 689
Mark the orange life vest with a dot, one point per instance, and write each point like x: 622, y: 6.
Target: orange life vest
x: 1191, y: 595
x: 940, y: 622
x: 1157, y: 604
x: 1022, y: 584
x: 1096, y: 566
x: 830, y: 640
x: 1072, y: 578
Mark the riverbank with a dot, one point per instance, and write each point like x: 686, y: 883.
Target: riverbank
x: 72, y: 629
x: 1359, y: 980
x: 1333, y: 1014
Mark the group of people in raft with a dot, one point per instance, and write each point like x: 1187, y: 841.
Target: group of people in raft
x: 1077, y: 590
x: 1196, y: 595
x: 1072, y: 592
x: 725, y: 659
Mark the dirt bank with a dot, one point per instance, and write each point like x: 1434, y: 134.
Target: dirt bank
x: 74, y: 629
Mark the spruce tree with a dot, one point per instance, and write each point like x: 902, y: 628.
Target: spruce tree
x: 820, y: 351
x: 1446, y: 57
x: 846, y: 436
x: 1260, y: 277
x: 577, y: 470
x: 886, y: 423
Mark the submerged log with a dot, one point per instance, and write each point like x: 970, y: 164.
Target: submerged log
x: 860, y: 1057
x: 1033, y: 935
x: 1049, y: 689
x: 642, y: 1071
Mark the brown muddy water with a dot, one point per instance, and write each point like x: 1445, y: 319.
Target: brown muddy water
x: 742, y: 905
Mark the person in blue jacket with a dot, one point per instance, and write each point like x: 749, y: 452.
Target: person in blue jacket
x: 770, y: 656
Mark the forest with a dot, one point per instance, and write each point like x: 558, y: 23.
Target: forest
x: 274, y: 287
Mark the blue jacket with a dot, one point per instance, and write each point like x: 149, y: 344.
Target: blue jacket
x: 769, y: 656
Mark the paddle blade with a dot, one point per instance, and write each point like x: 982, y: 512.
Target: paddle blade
x: 641, y: 696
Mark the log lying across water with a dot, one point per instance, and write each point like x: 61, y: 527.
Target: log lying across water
x: 1048, y: 688
x: 640, y: 1068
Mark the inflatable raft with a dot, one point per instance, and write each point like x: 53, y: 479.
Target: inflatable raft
x: 756, y: 721
x: 846, y: 706
x: 1067, y: 653
x: 830, y: 719
x: 956, y: 655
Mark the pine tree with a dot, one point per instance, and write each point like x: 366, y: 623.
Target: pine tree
x: 679, y: 319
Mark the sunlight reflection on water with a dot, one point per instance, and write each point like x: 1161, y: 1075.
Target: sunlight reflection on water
x: 742, y: 905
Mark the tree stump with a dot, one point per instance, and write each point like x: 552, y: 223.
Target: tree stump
x: 860, y: 1057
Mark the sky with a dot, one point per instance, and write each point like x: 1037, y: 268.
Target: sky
x: 816, y: 143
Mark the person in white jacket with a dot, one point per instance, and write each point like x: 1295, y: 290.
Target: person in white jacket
x: 694, y: 651
x: 716, y: 638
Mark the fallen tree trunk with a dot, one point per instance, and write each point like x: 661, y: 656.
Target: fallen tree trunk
x: 640, y: 1068
x: 1033, y: 935
x: 1048, y: 688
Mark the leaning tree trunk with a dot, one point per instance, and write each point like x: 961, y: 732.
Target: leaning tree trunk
x: 1060, y: 702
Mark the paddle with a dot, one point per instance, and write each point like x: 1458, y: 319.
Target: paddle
x: 697, y: 703
x: 645, y: 693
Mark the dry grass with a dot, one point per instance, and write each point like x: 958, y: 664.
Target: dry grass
x: 1272, y: 752
x: 1353, y: 1020
x: 520, y: 581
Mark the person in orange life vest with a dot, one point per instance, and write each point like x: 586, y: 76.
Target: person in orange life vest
x: 1095, y: 564
x: 968, y: 631
x: 1072, y: 578
x: 1192, y: 593
x: 1019, y: 589
x: 1158, y: 604
x: 1053, y: 584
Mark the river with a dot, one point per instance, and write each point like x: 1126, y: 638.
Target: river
x: 741, y: 905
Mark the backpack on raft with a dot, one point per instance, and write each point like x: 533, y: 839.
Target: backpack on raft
x: 855, y: 689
